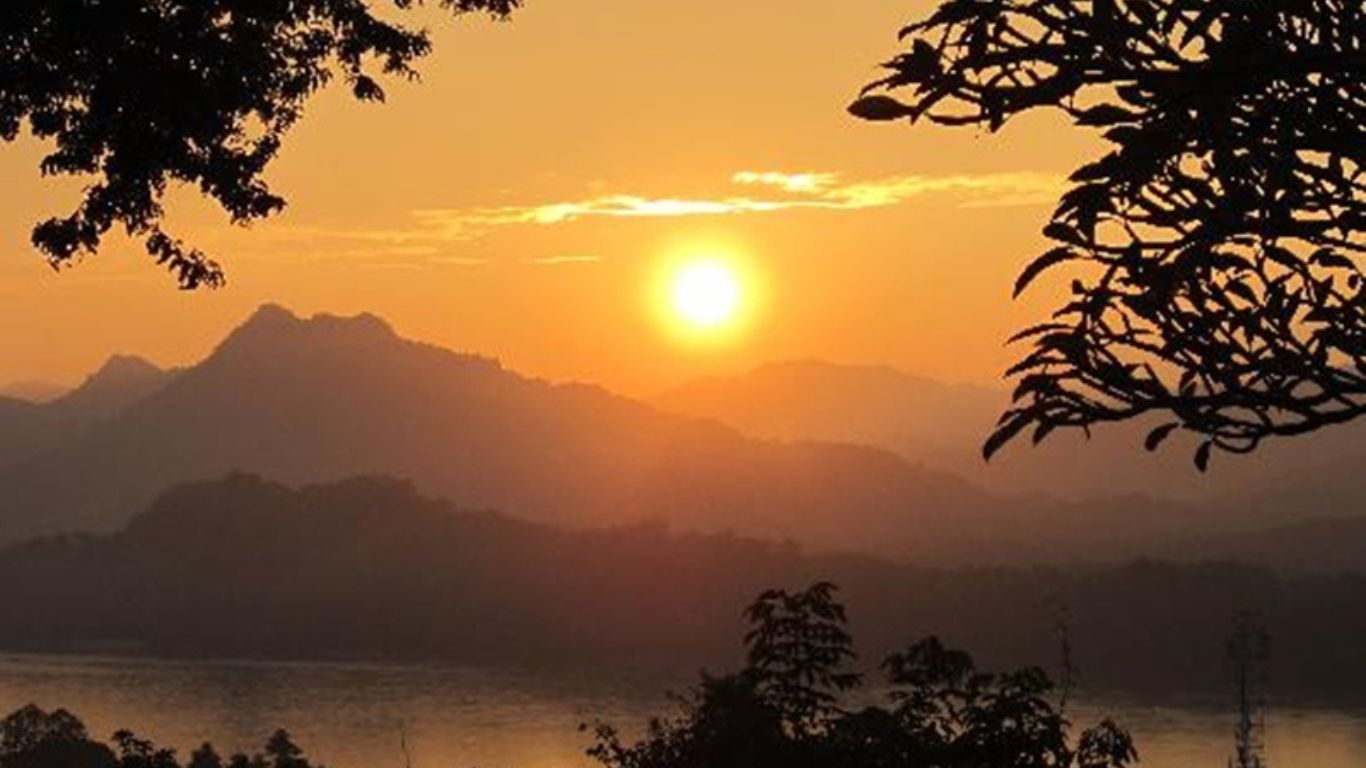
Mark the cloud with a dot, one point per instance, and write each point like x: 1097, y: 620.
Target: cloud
x: 826, y: 190
x: 799, y: 191
x: 768, y: 192
x: 566, y: 259
x: 458, y: 261
x: 789, y: 182
x: 981, y: 191
x: 458, y: 220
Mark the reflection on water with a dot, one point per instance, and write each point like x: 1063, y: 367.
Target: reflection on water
x: 1201, y: 736
x: 351, y: 716
x: 346, y: 716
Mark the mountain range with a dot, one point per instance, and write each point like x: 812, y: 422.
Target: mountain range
x: 33, y: 390
x: 834, y: 458
x: 943, y: 426
x: 30, y: 427
x: 370, y: 569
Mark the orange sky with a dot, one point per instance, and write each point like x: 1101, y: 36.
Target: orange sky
x: 522, y: 199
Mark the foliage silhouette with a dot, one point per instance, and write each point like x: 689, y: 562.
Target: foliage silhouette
x: 784, y: 708
x: 136, y: 95
x: 33, y: 738
x: 796, y: 647
x: 1219, y: 239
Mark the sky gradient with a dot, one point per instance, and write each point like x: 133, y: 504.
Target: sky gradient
x: 523, y: 200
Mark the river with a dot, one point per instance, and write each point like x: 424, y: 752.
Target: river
x: 364, y: 716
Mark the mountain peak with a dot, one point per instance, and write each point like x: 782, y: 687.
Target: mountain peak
x: 120, y: 375
x: 122, y: 381
x: 275, y: 317
x: 123, y: 368
x: 270, y: 315
x: 273, y: 326
x: 364, y: 322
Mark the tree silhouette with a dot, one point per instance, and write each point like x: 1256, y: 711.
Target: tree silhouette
x: 24, y: 729
x: 136, y: 95
x: 784, y: 709
x: 1217, y: 243
x: 796, y: 648
x: 33, y: 738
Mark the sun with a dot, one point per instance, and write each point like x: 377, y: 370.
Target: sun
x: 706, y: 294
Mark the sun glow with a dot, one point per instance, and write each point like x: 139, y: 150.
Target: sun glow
x: 706, y: 294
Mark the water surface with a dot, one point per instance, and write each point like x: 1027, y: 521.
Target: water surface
x: 361, y: 716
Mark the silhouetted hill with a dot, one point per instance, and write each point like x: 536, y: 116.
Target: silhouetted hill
x: 30, y: 428
x: 120, y: 382
x: 369, y: 569
x: 1330, y: 545
x: 313, y: 400
x: 327, y: 397
x: 812, y: 400
x: 943, y: 426
x: 20, y: 427
x: 33, y: 390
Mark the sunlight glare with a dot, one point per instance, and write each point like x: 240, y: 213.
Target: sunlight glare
x: 706, y: 294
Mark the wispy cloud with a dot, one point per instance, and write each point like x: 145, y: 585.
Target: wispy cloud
x: 819, y: 191
x: 458, y: 261
x: 458, y: 220
x: 828, y: 190
x: 789, y: 182
x: 566, y: 259
x: 766, y: 192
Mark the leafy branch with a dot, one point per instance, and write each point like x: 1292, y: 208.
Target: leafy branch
x: 1217, y: 246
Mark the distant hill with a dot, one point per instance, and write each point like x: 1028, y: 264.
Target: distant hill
x: 323, y: 398
x: 28, y: 428
x: 33, y: 390
x: 943, y: 426
x: 328, y: 397
x: 368, y: 568
x: 1329, y: 545
x: 21, y: 427
x: 920, y: 418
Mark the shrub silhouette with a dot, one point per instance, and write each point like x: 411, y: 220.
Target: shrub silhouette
x: 1217, y: 244
x: 34, y: 738
x: 786, y: 708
